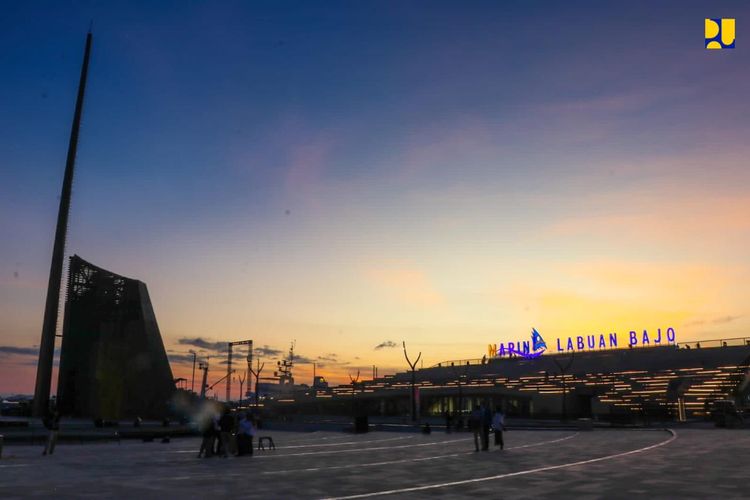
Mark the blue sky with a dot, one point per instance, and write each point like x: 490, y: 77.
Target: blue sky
x: 368, y: 171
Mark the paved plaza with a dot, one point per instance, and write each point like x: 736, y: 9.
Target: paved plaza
x: 697, y: 463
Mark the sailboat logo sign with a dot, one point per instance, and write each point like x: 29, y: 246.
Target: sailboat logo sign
x: 535, y: 347
x: 528, y: 350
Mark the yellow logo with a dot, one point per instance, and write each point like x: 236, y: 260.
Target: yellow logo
x: 719, y: 33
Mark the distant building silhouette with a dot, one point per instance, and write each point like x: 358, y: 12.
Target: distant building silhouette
x: 112, y: 363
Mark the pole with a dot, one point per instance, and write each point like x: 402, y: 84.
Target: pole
x: 242, y: 384
x: 204, y: 385
x: 354, y: 396
x: 257, y: 379
x: 51, y: 308
x: 229, y: 371
x: 192, y: 381
x: 563, y: 372
x: 413, y: 382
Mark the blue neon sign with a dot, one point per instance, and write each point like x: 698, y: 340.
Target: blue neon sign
x: 536, y: 346
x: 528, y: 350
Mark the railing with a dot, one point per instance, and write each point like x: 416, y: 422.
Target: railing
x: 460, y: 362
x: 731, y: 342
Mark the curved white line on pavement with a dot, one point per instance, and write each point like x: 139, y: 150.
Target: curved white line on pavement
x: 348, y: 442
x: 319, y: 445
x: 353, y: 450
x: 511, y: 474
x: 543, y: 442
x: 408, y: 460
x: 311, y: 436
x: 371, y: 464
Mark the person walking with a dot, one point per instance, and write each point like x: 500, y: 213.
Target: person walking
x: 245, y: 433
x: 486, y: 421
x: 475, y: 424
x: 498, y: 426
x: 226, y: 423
x: 52, y: 423
x: 206, y: 428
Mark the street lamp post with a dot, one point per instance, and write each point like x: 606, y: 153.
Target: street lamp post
x: 192, y: 382
x: 563, y: 371
x: 460, y: 377
x: 354, y: 395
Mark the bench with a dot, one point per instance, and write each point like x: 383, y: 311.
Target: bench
x: 271, y: 445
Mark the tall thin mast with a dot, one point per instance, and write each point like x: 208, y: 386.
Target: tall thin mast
x: 49, y: 327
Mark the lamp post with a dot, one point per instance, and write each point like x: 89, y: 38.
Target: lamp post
x: 563, y: 371
x: 460, y: 377
x: 192, y: 382
x: 354, y: 394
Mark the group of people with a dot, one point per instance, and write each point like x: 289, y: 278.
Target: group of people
x: 227, y: 434
x: 481, y: 420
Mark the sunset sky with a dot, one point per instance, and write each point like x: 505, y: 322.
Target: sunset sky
x: 355, y: 174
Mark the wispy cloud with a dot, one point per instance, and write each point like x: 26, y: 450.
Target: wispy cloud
x: 180, y: 358
x: 724, y: 319
x: 716, y: 321
x: 697, y: 322
x: 204, y: 344
x: 303, y: 360
x: 267, y: 351
x: 19, y: 351
x: 388, y: 344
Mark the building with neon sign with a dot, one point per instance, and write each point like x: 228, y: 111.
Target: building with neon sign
x: 624, y: 384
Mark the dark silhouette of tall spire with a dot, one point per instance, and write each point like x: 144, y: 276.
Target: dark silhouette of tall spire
x: 49, y: 327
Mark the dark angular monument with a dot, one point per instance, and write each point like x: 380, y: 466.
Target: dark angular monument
x: 112, y: 364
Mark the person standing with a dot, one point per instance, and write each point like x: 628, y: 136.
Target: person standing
x: 207, y: 431
x: 475, y: 425
x: 245, y: 433
x: 226, y: 423
x: 498, y: 426
x: 486, y: 421
x: 448, y: 421
x: 52, y: 423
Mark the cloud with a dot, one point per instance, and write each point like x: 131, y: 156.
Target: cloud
x: 180, y: 358
x: 331, y: 360
x: 303, y: 360
x: 204, y: 344
x: 724, y: 319
x: 25, y: 356
x: 267, y: 351
x: 20, y: 351
x: 386, y: 344
x: 716, y: 321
